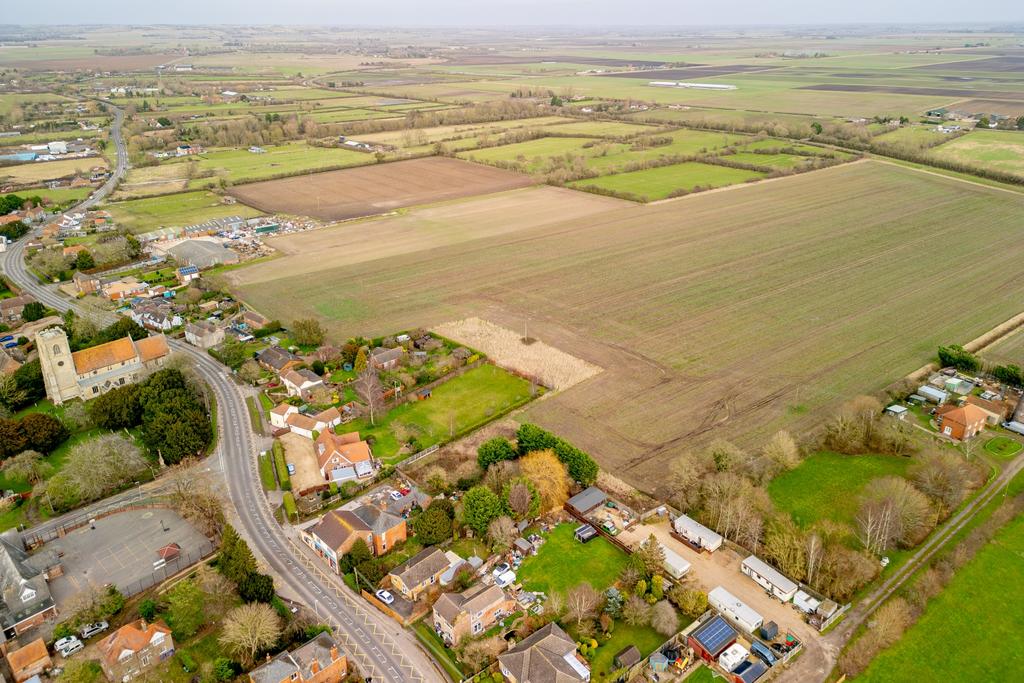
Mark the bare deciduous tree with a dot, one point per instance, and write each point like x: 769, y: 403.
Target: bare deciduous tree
x: 636, y: 611
x: 582, y: 602
x: 893, y: 512
x: 247, y: 629
x: 367, y: 385
x: 502, y: 532
x: 27, y: 466
x: 664, y: 619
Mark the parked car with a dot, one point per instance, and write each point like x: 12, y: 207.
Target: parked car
x: 68, y: 646
x: 505, y: 579
x: 385, y: 596
x: 7, y: 338
x: 396, y: 495
x: 291, y: 469
x: 89, y: 630
x: 501, y: 569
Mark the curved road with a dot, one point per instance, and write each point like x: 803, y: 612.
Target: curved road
x: 381, y: 649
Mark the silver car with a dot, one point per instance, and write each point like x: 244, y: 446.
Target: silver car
x: 89, y: 630
x: 68, y: 646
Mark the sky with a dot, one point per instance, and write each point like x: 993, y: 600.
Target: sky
x: 514, y: 12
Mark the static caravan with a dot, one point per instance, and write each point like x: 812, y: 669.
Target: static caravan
x: 674, y: 564
x: 736, y: 610
x: 697, y: 533
x: 769, y: 578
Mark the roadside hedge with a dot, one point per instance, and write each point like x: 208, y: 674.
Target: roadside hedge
x: 282, y: 467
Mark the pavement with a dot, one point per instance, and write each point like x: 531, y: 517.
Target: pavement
x: 378, y: 646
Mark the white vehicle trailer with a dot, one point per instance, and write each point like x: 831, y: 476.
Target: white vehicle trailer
x: 769, y: 578
x: 735, y: 609
x: 696, y: 533
x: 674, y: 564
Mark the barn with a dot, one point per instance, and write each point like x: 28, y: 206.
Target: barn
x: 712, y: 638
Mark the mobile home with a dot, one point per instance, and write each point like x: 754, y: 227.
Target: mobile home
x: 697, y: 534
x: 733, y: 608
x: 769, y: 578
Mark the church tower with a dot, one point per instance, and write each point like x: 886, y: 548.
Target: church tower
x: 58, y: 367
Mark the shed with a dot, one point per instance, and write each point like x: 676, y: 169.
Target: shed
x: 932, y: 395
x: 769, y: 578
x: 805, y: 602
x: 587, y: 500
x: 897, y: 411
x: 627, y: 657
x: 916, y: 398
x: 674, y: 564
x: 734, y: 608
x: 712, y: 638
x: 523, y: 546
x: 169, y: 552
x: 697, y: 533
x: 769, y: 630
x: 658, y: 662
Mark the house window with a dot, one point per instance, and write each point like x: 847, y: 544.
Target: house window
x: 121, y: 381
x: 477, y: 627
x: 95, y: 390
x: 145, y: 660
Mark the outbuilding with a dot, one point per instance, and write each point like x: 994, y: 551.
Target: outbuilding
x: 805, y: 602
x: 897, y: 411
x: 735, y: 609
x: 769, y: 578
x: 697, y: 534
x: 749, y: 671
x: 587, y: 501
x: 712, y: 638
x: 932, y: 395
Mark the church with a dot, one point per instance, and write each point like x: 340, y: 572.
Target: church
x: 90, y: 372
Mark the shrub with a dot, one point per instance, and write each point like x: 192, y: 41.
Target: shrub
x: 147, y: 609
x: 289, y: 505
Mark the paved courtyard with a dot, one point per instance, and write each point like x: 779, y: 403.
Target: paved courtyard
x: 121, y: 549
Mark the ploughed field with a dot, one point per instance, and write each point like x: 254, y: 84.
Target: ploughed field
x: 351, y: 193
x: 727, y: 314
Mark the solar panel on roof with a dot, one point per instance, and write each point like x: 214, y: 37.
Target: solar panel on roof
x: 715, y: 635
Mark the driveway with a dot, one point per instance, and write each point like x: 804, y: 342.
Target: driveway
x: 298, y: 451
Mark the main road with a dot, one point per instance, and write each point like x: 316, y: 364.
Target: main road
x: 375, y: 643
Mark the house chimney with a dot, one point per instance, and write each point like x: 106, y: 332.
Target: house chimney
x: 334, y: 653
x: 314, y: 668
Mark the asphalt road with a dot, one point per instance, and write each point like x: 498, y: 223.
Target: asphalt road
x: 380, y: 649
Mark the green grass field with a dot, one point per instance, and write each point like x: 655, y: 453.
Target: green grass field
x: 826, y: 485
x: 241, y: 165
x: 658, y: 183
x: 457, y: 405
x: 563, y: 562
x: 645, y: 638
x: 1003, y: 447
x: 533, y: 154
x: 988, y: 592
x: 999, y: 149
x: 186, y: 208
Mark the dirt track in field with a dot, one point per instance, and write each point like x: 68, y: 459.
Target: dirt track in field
x: 370, y: 190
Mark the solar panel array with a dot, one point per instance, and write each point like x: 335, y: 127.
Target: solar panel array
x: 715, y: 635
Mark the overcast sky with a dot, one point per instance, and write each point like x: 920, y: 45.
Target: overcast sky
x: 512, y: 12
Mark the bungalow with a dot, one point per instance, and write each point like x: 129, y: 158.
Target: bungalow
x: 318, y: 661
x: 30, y: 661
x: 134, y: 649
x: 386, y: 359
x: 338, y: 530
x: 416, y: 575
x: 301, y: 382
x: 276, y: 359
x: 204, y: 334
x: 547, y: 656
x: 74, y: 250
x: 119, y: 290
x: 962, y: 423
x: 470, y: 613
x: 343, y: 457
x: 254, y: 320
x: 285, y: 416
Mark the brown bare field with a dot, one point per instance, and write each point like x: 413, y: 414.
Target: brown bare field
x: 992, y: 107
x: 723, y: 315
x: 423, y: 229
x: 369, y: 190
x: 93, y: 63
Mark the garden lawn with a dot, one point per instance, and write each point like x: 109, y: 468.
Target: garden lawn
x: 464, y: 402
x: 563, y: 562
x: 645, y: 638
x: 826, y: 485
x: 988, y: 591
x: 174, y: 210
x: 1002, y: 447
x: 658, y: 183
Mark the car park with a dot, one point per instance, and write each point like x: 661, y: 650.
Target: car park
x: 89, y: 630
x: 385, y: 596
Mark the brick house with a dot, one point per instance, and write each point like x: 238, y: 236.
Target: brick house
x: 86, y: 283
x: 337, y: 531
x: 134, y: 649
x: 386, y: 359
x: 470, y: 613
x: 26, y: 602
x: 301, y: 382
x: 962, y: 423
x: 276, y: 359
x: 318, y: 661
x: 343, y: 457
x: 10, y: 309
x: 546, y: 656
x: 419, y: 573
x: 31, y: 660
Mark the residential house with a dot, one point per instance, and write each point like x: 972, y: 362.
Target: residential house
x: 996, y: 410
x: 546, y: 656
x: 27, y: 602
x: 31, y: 660
x: 86, y: 283
x: 337, y: 530
x: 95, y: 370
x: 318, y: 661
x: 119, y: 290
x: 470, y: 613
x: 962, y: 423
x: 343, y: 457
x: 419, y: 573
x: 74, y: 250
x: 276, y: 359
x: 386, y: 359
x: 254, y: 320
x: 286, y: 416
x: 158, y: 316
x: 134, y: 649
x: 11, y: 309
x: 8, y: 364
x: 204, y: 334
x: 186, y: 274
x: 301, y: 382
